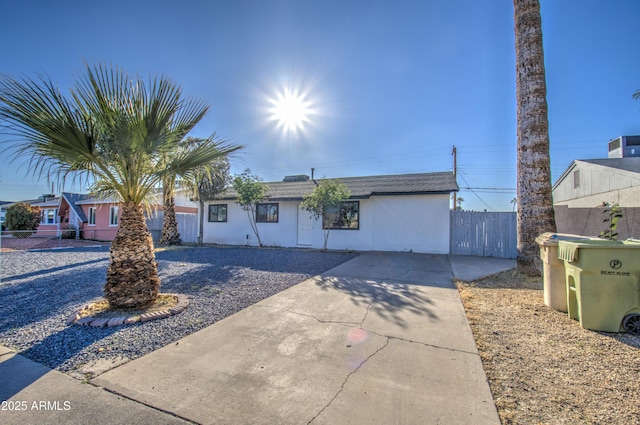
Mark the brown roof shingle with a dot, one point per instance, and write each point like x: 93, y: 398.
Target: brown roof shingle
x: 364, y: 187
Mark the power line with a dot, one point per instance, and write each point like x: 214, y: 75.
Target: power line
x: 477, y: 196
x: 490, y: 189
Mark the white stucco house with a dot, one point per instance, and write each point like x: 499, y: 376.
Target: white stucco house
x: 406, y: 212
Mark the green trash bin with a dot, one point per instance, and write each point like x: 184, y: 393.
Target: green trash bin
x: 553, y: 275
x: 603, y: 283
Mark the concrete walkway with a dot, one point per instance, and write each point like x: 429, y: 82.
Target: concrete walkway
x: 382, y: 338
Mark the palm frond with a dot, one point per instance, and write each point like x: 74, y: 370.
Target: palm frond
x: 50, y: 130
x: 120, y: 130
x: 185, y: 161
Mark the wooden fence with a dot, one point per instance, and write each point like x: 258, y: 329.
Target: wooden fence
x: 187, y: 226
x: 483, y: 234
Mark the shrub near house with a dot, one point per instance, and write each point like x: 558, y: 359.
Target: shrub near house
x: 23, y: 218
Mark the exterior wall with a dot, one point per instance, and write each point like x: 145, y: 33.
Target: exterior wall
x: 184, y: 203
x: 101, y: 231
x: 597, y: 185
x: 589, y: 221
x: 186, y: 210
x: 418, y: 223
x: 48, y: 230
x: 627, y: 197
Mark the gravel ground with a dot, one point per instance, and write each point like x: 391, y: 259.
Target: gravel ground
x: 9, y: 243
x: 40, y: 289
x: 543, y: 368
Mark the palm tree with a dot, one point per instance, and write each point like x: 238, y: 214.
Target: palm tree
x: 170, y: 234
x: 115, y: 129
x: 207, y: 183
x: 534, y: 193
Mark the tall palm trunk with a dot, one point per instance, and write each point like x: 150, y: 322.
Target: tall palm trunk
x: 201, y: 222
x: 132, y: 274
x: 534, y: 192
x: 170, y: 234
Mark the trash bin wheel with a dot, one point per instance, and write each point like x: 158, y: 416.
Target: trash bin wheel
x: 631, y: 323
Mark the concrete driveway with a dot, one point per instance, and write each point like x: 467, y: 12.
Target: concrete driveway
x: 382, y: 338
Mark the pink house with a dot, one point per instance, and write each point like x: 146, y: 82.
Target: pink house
x: 49, y: 222
x: 97, y: 219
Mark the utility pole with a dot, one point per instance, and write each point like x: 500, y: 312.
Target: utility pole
x: 454, y: 152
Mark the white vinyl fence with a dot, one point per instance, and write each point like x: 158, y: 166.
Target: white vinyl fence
x: 484, y: 234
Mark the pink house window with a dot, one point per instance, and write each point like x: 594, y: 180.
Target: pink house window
x: 113, y: 215
x: 49, y: 216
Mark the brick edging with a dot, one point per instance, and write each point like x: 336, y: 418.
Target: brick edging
x: 75, y: 318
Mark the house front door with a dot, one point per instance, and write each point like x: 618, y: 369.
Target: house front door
x: 305, y: 227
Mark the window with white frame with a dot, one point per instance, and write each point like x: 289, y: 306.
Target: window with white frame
x: 113, y: 215
x: 92, y: 216
x: 48, y: 216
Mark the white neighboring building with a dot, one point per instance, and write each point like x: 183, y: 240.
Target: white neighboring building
x: 408, y: 212
x: 588, y: 183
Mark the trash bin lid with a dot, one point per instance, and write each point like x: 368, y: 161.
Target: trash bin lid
x: 568, y: 250
x: 552, y: 239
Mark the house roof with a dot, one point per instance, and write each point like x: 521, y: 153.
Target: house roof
x: 91, y: 200
x: 631, y: 164
x: 365, y: 187
x: 628, y: 164
x: 73, y: 199
x: 50, y: 202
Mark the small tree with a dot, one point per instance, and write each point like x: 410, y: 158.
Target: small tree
x: 22, y: 217
x: 249, y: 191
x: 460, y: 200
x: 614, y: 213
x: 325, y: 197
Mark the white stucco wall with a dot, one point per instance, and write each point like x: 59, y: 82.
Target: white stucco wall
x: 183, y: 199
x: 418, y: 223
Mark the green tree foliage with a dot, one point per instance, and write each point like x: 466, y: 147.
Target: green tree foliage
x: 206, y: 172
x: 614, y: 213
x: 115, y: 129
x: 22, y: 217
x: 326, y: 196
x: 249, y: 191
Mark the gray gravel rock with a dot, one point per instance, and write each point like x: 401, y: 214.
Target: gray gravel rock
x: 40, y: 289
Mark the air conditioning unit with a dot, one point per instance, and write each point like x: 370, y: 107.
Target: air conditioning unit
x: 624, y: 146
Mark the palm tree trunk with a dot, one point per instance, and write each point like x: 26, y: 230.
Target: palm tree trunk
x: 132, y: 274
x: 170, y: 234
x: 201, y: 223
x: 534, y: 192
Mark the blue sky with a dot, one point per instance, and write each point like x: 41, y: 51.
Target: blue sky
x: 392, y: 86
